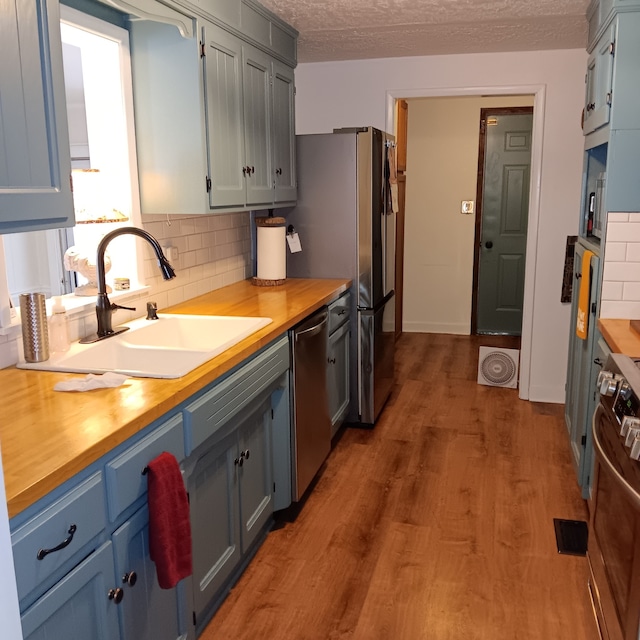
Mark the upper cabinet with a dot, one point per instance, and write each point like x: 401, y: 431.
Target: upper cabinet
x: 612, y: 90
x: 214, y: 114
x: 35, y: 164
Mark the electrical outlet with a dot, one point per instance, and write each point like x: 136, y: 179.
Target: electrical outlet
x: 170, y: 253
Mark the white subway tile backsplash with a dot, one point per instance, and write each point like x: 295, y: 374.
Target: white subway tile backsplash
x: 622, y: 309
x: 621, y: 271
x: 633, y: 252
x: 615, y: 251
x: 612, y: 290
x: 631, y: 291
x: 623, y: 232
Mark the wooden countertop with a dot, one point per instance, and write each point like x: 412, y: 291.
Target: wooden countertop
x: 48, y: 436
x: 620, y: 337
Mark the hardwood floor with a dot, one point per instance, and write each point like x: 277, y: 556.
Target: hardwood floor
x: 435, y: 525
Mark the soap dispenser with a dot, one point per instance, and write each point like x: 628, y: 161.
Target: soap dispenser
x: 58, y: 327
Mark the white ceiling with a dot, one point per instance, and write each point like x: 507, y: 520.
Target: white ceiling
x: 359, y: 29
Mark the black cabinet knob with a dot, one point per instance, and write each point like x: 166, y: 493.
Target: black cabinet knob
x: 488, y: 244
x: 116, y: 595
x: 130, y: 578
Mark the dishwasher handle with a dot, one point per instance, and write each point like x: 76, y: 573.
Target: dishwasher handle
x: 313, y: 330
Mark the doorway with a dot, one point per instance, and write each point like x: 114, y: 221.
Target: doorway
x: 502, y: 206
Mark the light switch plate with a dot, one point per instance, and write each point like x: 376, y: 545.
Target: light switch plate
x: 467, y: 206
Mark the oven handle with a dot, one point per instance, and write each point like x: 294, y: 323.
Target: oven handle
x: 632, y: 494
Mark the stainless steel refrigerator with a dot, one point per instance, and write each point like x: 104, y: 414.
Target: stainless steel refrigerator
x: 347, y: 230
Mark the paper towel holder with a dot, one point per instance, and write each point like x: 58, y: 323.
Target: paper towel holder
x: 276, y: 261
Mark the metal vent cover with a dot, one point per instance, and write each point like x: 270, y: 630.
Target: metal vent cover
x: 498, y: 367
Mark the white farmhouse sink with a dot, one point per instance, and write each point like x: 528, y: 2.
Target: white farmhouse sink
x: 168, y: 347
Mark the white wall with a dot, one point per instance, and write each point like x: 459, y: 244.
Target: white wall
x: 442, y: 170
x: 339, y: 94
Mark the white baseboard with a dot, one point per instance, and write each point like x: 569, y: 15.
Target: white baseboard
x: 461, y: 329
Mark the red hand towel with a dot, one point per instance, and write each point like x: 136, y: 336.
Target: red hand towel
x: 169, y: 523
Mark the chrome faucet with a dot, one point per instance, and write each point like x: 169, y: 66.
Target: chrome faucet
x: 104, y: 308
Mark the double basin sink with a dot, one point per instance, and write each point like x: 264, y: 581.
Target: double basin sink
x: 169, y: 347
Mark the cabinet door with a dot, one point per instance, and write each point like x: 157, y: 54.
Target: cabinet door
x: 338, y: 376
x: 147, y: 612
x: 256, y: 80
x: 599, y: 82
x: 213, y: 499
x: 35, y: 163
x: 77, y: 607
x: 255, y: 472
x: 284, y: 133
x: 580, y: 365
x: 223, y: 105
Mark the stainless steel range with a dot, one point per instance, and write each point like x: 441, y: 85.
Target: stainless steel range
x: 614, y: 523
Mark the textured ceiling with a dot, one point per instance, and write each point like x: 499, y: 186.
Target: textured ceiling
x: 359, y: 29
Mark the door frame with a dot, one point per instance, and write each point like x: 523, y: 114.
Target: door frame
x: 538, y: 91
x: 482, y: 143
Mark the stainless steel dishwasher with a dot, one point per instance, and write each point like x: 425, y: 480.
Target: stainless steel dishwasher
x: 311, y: 433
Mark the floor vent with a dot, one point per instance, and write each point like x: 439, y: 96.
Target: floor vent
x: 498, y: 367
x: 571, y: 536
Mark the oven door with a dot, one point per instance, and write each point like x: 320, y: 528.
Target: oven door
x: 614, y: 534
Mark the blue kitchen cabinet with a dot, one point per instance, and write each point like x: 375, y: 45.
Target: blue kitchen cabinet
x: 338, y: 384
x: 284, y: 140
x: 63, y: 599
x: 230, y: 475
x: 256, y: 83
x: 81, y: 606
x: 207, y: 136
x: 610, y: 184
x: 101, y: 584
x: 35, y: 162
x: 147, y: 612
x: 580, y: 386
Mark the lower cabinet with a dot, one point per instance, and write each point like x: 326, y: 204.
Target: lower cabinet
x: 338, y: 376
x: 338, y: 383
x: 580, y: 385
x: 78, y: 607
x: 146, y: 611
x: 230, y: 495
x: 82, y: 560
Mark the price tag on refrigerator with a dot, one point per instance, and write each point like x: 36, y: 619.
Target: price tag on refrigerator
x: 293, y: 240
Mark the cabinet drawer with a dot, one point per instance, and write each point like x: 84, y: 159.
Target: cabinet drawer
x: 217, y: 406
x: 82, y: 507
x: 339, y: 312
x: 125, y: 480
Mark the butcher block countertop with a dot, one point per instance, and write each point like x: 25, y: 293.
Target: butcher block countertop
x: 48, y: 436
x: 620, y: 337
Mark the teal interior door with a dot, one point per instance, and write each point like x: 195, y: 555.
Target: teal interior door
x: 502, y: 236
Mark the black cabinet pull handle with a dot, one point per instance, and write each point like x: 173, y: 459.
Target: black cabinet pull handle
x: 331, y: 360
x: 578, y: 276
x: 245, y: 454
x: 42, y: 553
x: 278, y: 171
x: 239, y: 461
x: 598, y: 362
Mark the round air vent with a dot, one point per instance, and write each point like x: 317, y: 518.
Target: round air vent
x: 498, y: 368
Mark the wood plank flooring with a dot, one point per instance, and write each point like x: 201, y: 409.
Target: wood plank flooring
x: 435, y: 525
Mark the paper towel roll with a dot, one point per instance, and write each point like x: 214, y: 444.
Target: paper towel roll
x: 272, y: 257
